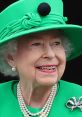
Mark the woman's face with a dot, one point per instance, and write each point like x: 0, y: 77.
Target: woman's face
x: 40, y: 58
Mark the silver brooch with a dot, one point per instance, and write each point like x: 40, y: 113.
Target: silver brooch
x: 74, y: 103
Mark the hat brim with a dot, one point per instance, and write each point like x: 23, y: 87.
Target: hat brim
x: 73, y: 33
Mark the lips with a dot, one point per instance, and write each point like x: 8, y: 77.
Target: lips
x: 47, y: 68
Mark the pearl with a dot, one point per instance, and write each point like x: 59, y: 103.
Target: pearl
x: 13, y: 69
x: 46, y: 108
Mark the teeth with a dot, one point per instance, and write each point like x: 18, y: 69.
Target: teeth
x: 48, y: 68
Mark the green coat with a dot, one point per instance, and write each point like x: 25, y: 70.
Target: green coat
x: 9, y: 106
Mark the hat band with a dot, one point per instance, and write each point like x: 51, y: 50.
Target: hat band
x: 29, y: 21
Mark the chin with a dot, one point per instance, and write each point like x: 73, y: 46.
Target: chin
x: 47, y: 81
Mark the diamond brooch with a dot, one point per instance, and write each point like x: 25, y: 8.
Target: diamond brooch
x: 74, y: 103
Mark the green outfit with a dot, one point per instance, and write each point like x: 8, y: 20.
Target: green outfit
x: 9, y: 106
x: 27, y: 17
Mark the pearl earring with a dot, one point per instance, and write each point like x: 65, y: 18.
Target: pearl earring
x: 13, y: 69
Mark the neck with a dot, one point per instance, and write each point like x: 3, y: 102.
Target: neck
x: 35, y: 96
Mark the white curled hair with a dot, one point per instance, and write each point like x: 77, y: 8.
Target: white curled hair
x: 11, y: 47
x: 67, y: 46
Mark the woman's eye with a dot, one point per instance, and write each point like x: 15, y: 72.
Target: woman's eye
x: 56, y: 43
x: 36, y: 44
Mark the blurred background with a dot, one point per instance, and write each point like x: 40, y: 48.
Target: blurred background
x: 73, y: 10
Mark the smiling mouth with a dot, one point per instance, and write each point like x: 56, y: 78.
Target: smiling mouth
x: 47, y: 68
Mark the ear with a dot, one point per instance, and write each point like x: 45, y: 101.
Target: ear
x: 11, y: 60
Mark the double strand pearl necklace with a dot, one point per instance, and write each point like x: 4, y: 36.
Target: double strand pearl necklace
x: 46, y: 108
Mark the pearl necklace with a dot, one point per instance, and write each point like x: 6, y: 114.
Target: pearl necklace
x: 46, y: 108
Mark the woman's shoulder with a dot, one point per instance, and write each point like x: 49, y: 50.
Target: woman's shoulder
x: 70, y: 89
x: 6, y: 88
x: 67, y: 85
x: 65, y: 92
x: 7, y: 85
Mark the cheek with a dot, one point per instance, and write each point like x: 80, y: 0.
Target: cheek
x: 62, y: 63
x: 25, y: 61
x: 63, y: 58
x: 25, y: 67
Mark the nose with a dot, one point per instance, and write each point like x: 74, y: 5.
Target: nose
x: 48, y: 52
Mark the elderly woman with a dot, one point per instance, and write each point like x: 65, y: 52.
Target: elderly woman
x: 35, y: 43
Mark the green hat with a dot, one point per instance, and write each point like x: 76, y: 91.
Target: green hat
x: 30, y: 16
